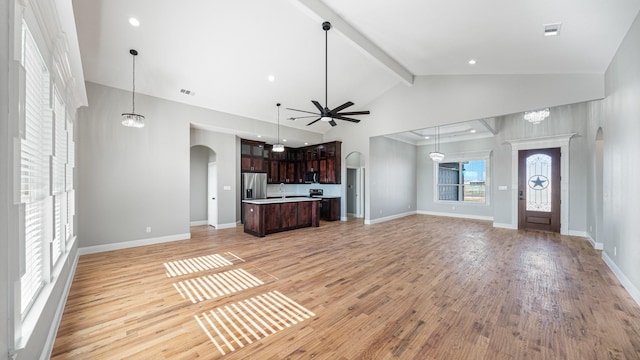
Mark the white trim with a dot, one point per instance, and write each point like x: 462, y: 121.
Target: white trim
x: 561, y: 141
x: 460, y: 157
x: 596, y: 245
x: 388, y: 218
x: 198, y: 223
x: 631, y: 289
x: 133, y: 243
x: 454, y: 215
x: 227, y: 226
x: 504, y: 226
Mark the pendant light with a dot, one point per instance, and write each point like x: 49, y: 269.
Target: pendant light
x: 536, y: 117
x: 132, y: 119
x: 436, y: 155
x: 278, y: 147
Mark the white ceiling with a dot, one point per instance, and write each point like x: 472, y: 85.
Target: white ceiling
x: 224, y: 50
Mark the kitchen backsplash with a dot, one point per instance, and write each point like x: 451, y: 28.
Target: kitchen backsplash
x: 273, y: 190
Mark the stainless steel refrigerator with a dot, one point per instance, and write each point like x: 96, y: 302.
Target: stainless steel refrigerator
x: 254, y: 186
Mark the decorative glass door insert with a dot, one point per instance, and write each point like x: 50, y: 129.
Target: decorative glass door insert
x: 539, y: 182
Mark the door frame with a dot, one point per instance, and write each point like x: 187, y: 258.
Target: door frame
x: 212, y: 179
x: 555, y: 141
x: 523, y: 186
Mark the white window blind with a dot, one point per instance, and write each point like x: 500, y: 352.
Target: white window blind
x: 35, y: 147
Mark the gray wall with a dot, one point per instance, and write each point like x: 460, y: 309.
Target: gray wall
x: 201, y: 156
x: 227, y: 150
x: 619, y: 116
x: 129, y: 178
x: 393, y: 174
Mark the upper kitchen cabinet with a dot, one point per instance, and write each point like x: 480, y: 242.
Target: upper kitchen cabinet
x: 329, y: 162
x: 252, y: 156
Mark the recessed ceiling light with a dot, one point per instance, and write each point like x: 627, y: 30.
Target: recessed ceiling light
x: 552, y: 29
x: 306, y: 143
x: 472, y: 62
x: 284, y: 140
x: 473, y: 131
x: 259, y: 136
x: 134, y: 22
x: 426, y: 137
x: 271, y: 78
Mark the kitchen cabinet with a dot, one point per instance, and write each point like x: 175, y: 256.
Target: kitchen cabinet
x: 266, y: 216
x: 330, y: 209
x: 251, y: 156
x: 329, y: 162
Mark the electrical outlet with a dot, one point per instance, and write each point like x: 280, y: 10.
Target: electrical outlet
x: 615, y: 251
x: 148, y: 229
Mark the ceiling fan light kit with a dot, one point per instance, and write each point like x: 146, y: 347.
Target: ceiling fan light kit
x: 132, y: 119
x: 324, y: 113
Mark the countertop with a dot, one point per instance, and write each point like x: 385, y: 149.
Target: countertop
x: 280, y: 200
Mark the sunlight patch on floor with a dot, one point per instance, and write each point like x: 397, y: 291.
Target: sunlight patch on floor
x: 194, y: 265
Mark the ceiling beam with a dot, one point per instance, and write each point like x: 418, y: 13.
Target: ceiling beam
x: 324, y: 13
x: 489, y: 127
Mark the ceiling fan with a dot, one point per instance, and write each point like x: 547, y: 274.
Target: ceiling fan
x: 326, y: 114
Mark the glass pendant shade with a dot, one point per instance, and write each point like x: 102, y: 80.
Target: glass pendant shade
x: 132, y: 119
x: 278, y: 148
x: 436, y: 156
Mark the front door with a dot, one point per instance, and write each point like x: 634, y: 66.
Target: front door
x: 539, y: 189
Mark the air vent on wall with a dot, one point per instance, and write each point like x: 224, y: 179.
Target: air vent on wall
x: 552, y: 29
x: 187, y: 92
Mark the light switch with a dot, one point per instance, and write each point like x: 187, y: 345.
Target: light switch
x: 502, y: 187
x: 227, y: 187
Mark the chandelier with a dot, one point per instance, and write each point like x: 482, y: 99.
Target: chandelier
x: 132, y: 119
x: 436, y: 155
x: 536, y: 117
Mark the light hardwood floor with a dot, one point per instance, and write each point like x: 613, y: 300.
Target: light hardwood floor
x: 420, y: 287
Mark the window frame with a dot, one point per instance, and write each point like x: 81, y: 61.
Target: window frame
x: 460, y: 158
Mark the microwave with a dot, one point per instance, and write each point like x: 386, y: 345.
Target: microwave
x: 311, y: 177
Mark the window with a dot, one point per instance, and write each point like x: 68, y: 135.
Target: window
x: 462, y: 181
x: 46, y: 178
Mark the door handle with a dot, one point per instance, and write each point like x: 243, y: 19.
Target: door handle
x: 520, y: 194
x: 213, y: 198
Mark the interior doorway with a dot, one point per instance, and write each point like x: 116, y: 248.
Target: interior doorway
x: 212, y: 195
x: 354, y: 194
x: 539, y: 189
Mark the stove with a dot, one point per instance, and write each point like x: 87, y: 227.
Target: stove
x: 315, y: 192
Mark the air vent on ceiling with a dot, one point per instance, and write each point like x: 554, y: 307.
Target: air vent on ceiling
x: 552, y: 29
x: 187, y: 92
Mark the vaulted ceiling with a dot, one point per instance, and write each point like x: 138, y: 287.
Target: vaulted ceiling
x: 223, y: 51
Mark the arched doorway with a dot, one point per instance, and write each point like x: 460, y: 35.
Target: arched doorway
x: 355, y: 185
x: 203, y: 186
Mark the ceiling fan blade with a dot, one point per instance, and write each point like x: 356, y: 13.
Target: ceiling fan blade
x: 317, y: 104
x: 343, y: 106
x: 366, y: 112
x: 332, y: 123
x: 346, y: 118
x: 313, y: 122
x: 304, y: 111
x: 301, y: 117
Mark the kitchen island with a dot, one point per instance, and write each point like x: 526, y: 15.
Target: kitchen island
x: 267, y: 216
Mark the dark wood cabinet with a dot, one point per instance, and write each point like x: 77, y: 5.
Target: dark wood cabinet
x: 251, y: 156
x: 330, y: 209
x: 289, y: 215
x: 290, y: 166
x: 304, y: 214
x: 272, y: 217
x: 267, y: 218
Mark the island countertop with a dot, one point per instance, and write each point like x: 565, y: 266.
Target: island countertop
x: 280, y: 200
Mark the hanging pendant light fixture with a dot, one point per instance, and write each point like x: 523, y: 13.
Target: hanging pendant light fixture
x: 278, y: 147
x: 436, y: 155
x: 132, y: 119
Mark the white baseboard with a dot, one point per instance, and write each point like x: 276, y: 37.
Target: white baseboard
x: 226, y: 226
x: 455, y: 215
x: 633, y: 291
x: 584, y: 234
x: 198, y: 223
x: 133, y: 243
x: 388, y: 218
x: 504, y: 226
